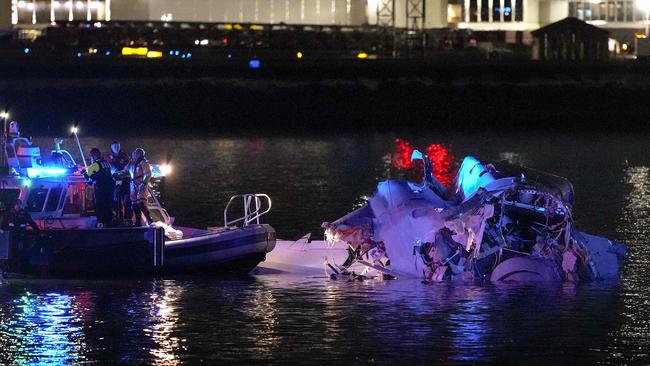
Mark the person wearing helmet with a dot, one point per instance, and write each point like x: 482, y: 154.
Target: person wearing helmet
x: 140, y: 172
x: 99, y: 172
x: 119, y: 162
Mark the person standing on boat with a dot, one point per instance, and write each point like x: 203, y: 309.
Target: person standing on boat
x: 119, y: 162
x: 100, y: 173
x: 140, y: 171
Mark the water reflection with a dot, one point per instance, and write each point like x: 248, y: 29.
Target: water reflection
x: 163, y: 318
x: 42, y: 329
x: 634, y: 225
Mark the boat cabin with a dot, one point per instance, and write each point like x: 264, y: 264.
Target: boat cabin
x: 52, y: 188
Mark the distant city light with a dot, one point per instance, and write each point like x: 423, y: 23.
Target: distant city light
x: 56, y: 5
x: 74, y: 130
x: 26, y: 50
x: 135, y: 51
x: 362, y: 55
x: 299, y: 55
x: 79, y: 5
x: 154, y: 54
x: 254, y: 64
x: 167, y: 17
x: 643, y: 5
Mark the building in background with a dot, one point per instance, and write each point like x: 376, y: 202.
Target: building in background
x: 571, y: 39
x: 621, y: 17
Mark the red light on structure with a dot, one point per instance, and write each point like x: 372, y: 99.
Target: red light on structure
x: 225, y: 40
x: 439, y: 155
x: 402, y: 154
x: 442, y: 163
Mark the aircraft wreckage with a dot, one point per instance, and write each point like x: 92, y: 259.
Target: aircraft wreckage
x: 495, y: 222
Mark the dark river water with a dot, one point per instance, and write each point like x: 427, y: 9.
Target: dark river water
x: 281, y: 319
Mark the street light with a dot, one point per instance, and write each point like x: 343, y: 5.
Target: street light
x: 644, y: 5
x: 74, y: 131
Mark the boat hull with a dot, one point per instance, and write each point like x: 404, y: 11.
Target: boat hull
x: 133, y: 251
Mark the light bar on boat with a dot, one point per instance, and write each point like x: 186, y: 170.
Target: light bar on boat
x: 46, y: 172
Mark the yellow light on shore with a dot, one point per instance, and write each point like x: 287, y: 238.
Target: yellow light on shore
x: 299, y: 55
x: 135, y: 51
x: 257, y: 27
x: 362, y: 55
x: 154, y: 54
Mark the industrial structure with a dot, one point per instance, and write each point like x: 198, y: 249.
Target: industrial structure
x: 623, y: 18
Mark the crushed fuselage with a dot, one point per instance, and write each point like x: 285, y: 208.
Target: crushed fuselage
x: 489, y: 225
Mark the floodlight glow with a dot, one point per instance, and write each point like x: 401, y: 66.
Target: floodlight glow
x: 165, y: 169
x: 362, y: 55
x: 4, y: 115
x: 74, y: 130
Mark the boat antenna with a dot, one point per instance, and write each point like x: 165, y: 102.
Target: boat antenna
x: 3, y: 153
x: 75, y: 130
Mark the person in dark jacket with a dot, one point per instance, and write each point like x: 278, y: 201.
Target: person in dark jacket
x: 99, y: 172
x: 119, y: 162
x: 19, y: 219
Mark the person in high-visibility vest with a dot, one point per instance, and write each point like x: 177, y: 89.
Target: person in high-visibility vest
x: 99, y: 172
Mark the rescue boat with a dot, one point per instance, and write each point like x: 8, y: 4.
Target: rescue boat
x: 59, y: 199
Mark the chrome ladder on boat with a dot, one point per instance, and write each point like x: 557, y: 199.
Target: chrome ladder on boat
x: 254, y: 208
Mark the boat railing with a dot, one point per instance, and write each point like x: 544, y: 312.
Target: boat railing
x: 255, y: 206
